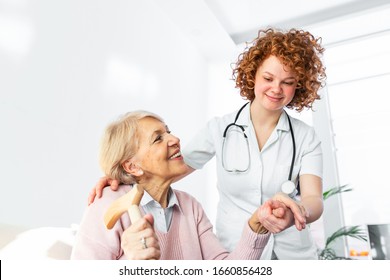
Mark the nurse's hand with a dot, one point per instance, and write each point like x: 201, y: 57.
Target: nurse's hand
x: 269, y: 217
x: 100, y: 185
x: 139, y: 241
x: 299, y: 212
x: 103, y: 182
x: 275, y: 216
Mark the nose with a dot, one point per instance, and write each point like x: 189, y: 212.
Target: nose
x: 276, y: 87
x: 173, y: 140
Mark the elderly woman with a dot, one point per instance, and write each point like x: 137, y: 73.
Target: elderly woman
x: 139, y: 148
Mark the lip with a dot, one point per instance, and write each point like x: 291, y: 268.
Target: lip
x: 274, y: 99
x: 176, y: 158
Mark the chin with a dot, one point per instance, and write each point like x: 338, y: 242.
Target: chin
x: 181, y: 171
x: 274, y: 107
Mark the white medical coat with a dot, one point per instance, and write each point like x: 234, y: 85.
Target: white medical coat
x: 240, y: 194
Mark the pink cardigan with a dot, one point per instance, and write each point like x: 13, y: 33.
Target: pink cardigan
x: 190, y: 236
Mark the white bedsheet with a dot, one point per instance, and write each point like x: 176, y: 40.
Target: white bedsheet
x: 40, y: 243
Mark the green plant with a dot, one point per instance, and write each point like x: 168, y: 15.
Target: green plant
x: 347, y: 231
x: 335, y: 190
x: 354, y: 231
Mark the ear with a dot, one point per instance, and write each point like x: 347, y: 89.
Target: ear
x: 132, y: 168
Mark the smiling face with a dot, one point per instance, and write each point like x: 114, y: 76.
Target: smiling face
x: 158, y: 154
x: 275, y: 84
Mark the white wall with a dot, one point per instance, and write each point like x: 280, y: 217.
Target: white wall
x: 67, y: 69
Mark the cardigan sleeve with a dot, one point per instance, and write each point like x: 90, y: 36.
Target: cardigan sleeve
x: 250, y: 246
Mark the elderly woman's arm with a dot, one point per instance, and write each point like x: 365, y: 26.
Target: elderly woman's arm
x: 253, y: 239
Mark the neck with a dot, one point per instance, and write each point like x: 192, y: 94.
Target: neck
x: 263, y: 117
x: 157, y: 189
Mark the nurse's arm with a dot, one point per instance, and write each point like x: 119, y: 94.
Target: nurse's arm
x: 311, y: 196
x: 97, y: 190
x: 103, y: 182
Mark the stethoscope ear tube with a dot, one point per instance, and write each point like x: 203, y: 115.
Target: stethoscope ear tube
x: 234, y: 124
x: 294, y: 148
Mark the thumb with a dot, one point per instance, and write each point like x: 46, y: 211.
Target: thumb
x: 278, y: 208
x: 150, y: 219
x: 278, y: 212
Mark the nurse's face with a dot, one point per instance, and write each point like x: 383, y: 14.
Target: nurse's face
x: 275, y: 84
x: 159, y: 151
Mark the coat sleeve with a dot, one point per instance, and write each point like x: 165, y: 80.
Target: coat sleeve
x: 201, y: 148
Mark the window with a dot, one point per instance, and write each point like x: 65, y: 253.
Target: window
x: 359, y: 97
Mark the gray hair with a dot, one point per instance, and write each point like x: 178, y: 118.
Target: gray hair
x: 120, y: 143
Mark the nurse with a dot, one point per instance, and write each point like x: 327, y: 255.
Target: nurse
x: 259, y: 147
x: 280, y: 69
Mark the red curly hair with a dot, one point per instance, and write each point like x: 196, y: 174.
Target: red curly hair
x: 298, y: 50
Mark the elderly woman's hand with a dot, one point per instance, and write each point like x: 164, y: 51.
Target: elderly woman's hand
x: 139, y: 241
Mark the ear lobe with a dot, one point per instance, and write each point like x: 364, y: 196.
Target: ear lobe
x: 132, y: 168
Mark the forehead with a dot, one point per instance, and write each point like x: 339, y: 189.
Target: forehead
x: 149, y: 125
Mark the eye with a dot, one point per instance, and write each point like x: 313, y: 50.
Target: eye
x: 268, y: 79
x: 289, y: 83
x: 158, y: 138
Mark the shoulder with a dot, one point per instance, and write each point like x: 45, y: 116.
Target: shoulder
x: 305, y: 136
x: 184, y: 196
x: 192, y: 211
x: 93, y: 216
x: 188, y: 202
x: 93, y: 240
x: 301, y: 129
x: 109, y: 196
x: 220, y: 122
x: 214, y: 128
x: 112, y: 195
x: 225, y: 118
x: 297, y: 123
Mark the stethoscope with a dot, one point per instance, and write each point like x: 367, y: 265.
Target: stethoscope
x: 288, y: 187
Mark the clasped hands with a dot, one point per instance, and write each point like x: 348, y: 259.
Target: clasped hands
x: 281, y: 212
x: 140, y: 242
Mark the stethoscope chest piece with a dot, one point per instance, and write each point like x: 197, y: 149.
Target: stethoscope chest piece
x: 289, y: 188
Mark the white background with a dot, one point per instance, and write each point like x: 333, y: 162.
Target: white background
x: 68, y: 68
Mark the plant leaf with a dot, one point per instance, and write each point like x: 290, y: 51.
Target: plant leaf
x: 327, y: 254
x: 336, y: 190
x: 353, y: 231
